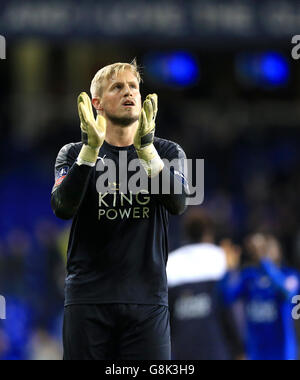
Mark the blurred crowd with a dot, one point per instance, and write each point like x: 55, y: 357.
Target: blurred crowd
x: 32, y: 271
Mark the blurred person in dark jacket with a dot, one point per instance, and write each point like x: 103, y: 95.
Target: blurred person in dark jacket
x: 201, y: 328
x: 266, y: 287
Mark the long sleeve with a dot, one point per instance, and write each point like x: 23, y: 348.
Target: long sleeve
x: 174, y: 201
x: 279, y: 279
x: 71, y: 182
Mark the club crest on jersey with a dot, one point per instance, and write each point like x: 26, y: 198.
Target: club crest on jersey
x: 61, y: 175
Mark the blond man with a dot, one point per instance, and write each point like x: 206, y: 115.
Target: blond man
x: 116, y: 299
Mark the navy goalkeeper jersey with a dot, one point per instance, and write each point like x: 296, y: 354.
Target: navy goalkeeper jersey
x: 118, y: 246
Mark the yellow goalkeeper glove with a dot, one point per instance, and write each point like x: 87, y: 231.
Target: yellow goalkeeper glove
x: 144, y: 138
x: 93, y: 131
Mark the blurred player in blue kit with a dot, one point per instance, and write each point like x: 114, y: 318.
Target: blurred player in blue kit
x: 266, y: 288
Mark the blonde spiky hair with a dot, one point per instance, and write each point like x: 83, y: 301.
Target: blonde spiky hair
x: 110, y: 71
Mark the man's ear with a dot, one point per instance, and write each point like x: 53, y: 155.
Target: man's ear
x: 97, y: 104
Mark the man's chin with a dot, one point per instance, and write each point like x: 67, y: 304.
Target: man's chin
x: 124, y: 120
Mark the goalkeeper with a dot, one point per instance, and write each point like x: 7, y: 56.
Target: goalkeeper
x: 116, y: 299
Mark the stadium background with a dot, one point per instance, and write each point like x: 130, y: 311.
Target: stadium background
x: 229, y: 92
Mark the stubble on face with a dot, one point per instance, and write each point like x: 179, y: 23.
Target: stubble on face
x: 123, y: 121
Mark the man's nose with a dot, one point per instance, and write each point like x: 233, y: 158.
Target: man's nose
x: 127, y: 90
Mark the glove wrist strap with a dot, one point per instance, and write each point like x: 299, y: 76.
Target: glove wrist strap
x: 88, y: 154
x: 151, y: 160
